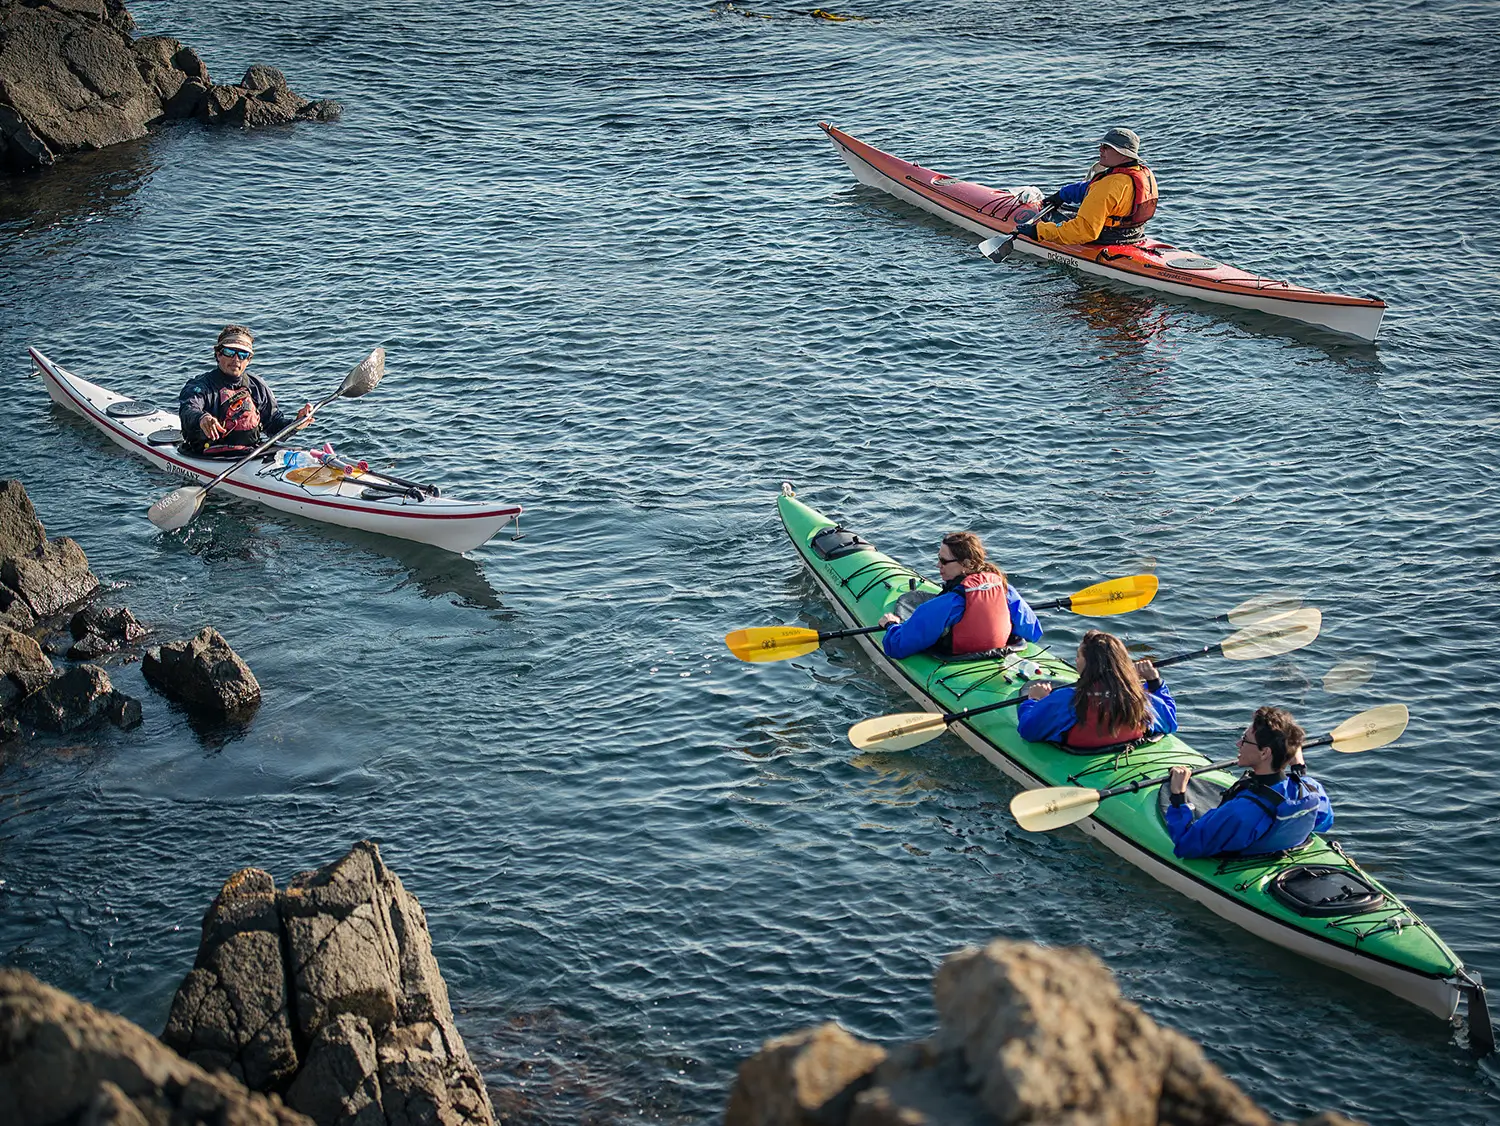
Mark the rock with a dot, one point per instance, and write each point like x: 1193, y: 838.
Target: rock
x: 204, y: 674
x: 807, y: 1077
x: 99, y: 630
x: 113, y: 623
x: 230, y: 1013
x: 22, y: 662
x: 1026, y: 1035
x: 21, y: 533
x: 77, y: 698
x: 334, y: 980
x: 72, y: 78
x: 64, y: 1061
x: 14, y: 612
x: 51, y: 578
x: 123, y: 711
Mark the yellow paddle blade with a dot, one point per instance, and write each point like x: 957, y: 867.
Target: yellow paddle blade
x: 771, y: 643
x: 1038, y: 811
x: 1116, y: 596
x: 1371, y: 729
x: 898, y: 732
x: 1346, y: 676
x: 1269, y: 605
x: 1271, y: 637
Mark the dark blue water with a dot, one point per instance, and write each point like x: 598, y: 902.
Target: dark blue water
x: 625, y: 281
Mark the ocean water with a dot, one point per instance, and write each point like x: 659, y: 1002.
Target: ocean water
x: 624, y: 280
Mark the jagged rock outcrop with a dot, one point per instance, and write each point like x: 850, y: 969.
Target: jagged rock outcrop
x: 62, y: 1061
x: 98, y: 630
x: 1027, y: 1036
x: 204, y: 675
x: 38, y: 578
x: 328, y: 993
x: 72, y: 77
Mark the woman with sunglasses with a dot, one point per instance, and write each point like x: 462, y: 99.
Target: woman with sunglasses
x: 1114, y: 700
x: 226, y: 409
x: 978, y: 611
x: 1274, y: 807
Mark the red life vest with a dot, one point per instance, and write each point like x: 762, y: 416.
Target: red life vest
x: 241, y: 421
x: 1091, y: 732
x: 1145, y: 194
x: 986, y: 621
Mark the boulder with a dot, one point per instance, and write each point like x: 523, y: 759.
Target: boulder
x: 329, y: 992
x: 72, y: 78
x: 203, y: 674
x: 62, y: 1061
x: 50, y: 579
x: 14, y: 612
x: 21, y: 533
x: 77, y: 698
x: 1026, y: 1035
x: 99, y: 629
x: 22, y: 662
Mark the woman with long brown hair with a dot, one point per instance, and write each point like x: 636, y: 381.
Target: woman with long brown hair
x: 1115, y: 700
x: 977, y: 611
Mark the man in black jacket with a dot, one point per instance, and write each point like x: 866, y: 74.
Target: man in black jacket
x: 226, y: 408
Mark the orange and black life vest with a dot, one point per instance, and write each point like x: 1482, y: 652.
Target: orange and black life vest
x: 1128, y: 228
x: 985, y: 623
x: 1090, y: 731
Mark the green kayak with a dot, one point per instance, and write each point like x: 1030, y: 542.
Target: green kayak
x: 1314, y: 900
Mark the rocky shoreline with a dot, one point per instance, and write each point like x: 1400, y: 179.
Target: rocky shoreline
x: 72, y: 78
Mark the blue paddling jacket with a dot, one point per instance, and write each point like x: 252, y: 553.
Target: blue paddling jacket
x: 1259, y: 814
x: 1049, y: 719
x: 935, y: 617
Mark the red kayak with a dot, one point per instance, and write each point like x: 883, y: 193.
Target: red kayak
x: 1149, y: 263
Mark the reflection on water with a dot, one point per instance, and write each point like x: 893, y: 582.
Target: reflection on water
x: 81, y: 187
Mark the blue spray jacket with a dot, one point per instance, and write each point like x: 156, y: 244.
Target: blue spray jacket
x: 930, y: 620
x: 1048, y: 720
x: 1243, y: 826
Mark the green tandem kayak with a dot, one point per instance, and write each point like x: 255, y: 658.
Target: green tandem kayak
x: 1314, y: 900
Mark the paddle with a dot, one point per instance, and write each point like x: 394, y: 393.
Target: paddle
x: 1270, y: 605
x: 362, y: 468
x: 781, y: 643
x: 1039, y: 811
x: 998, y: 248
x: 905, y: 730
x: 176, y: 509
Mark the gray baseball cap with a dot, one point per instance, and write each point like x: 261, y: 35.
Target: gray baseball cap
x: 1122, y: 140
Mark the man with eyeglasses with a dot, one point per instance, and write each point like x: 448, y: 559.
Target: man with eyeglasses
x: 226, y: 409
x: 1112, y: 205
x: 1273, y: 808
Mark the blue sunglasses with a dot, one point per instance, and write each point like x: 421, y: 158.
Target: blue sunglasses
x: 237, y: 353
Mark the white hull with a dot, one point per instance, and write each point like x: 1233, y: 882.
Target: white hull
x: 1437, y: 996
x: 443, y: 522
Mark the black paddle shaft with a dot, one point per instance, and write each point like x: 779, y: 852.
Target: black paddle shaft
x: 1206, y: 651
x: 835, y: 634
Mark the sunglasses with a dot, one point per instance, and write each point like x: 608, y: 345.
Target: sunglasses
x: 944, y: 562
x: 236, y: 353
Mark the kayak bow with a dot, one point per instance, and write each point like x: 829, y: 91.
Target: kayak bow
x: 1150, y: 263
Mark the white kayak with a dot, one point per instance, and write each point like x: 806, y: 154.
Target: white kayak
x: 350, y: 501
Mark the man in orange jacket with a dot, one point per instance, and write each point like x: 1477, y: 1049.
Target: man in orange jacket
x: 1113, y: 204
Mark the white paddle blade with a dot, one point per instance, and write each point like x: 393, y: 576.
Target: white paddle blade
x: 1371, y: 729
x: 175, y: 510
x: 990, y: 245
x: 1271, y: 637
x: 363, y: 377
x: 898, y: 732
x: 1040, y: 811
x: 1262, y: 606
x: 1347, y: 676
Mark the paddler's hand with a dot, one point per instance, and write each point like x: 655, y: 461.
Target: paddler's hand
x: 888, y: 620
x: 211, y: 427
x: 1147, y: 671
x: 1177, y: 783
x: 1037, y: 689
x: 305, y: 415
x: 1027, y: 229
